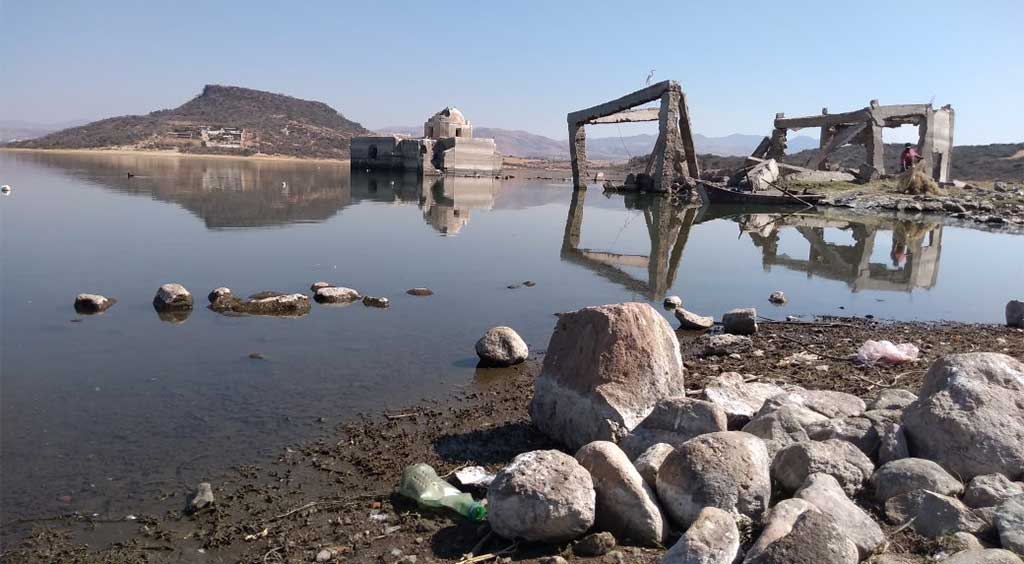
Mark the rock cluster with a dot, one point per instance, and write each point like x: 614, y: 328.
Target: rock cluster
x: 262, y: 303
x: 650, y: 457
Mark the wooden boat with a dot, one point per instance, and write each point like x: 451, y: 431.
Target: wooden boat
x: 718, y: 194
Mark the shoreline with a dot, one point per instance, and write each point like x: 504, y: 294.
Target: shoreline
x: 176, y: 154
x: 338, y: 492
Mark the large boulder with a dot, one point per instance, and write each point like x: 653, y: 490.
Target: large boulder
x: 740, y: 321
x: 739, y: 399
x: 713, y: 538
x: 933, y: 515
x: 728, y: 470
x: 990, y: 490
x: 815, y: 538
x: 909, y: 474
x: 501, y: 346
x: 172, y: 297
x: 604, y: 370
x: 824, y: 492
x: 541, y: 496
x: 839, y: 459
x: 1009, y: 520
x: 970, y: 415
x: 626, y: 505
x: 675, y: 421
x: 1015, y: 313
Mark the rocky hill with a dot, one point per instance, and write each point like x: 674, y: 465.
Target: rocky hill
x: 221, y: 119
x: 999, y: 161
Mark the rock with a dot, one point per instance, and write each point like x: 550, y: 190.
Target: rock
x: 92, y: 303
x: 541, y: 496
x: 722, y: 345
x: 740, y: 321
x: 778, y: 428
x: 909, y: 474
x: 892, y: 399
x: 779, y: 523
x: 675, y: 421
x: 859, y: 431
x: 501, y: 346
x: 777, y: 297
x: 420, y: 292
x: 815, y: 538
x: 692, y: 321
x: 969, y: 416
x: 324, y: 555
x: 375, y: 301
x: 605, y: 369
x: 818, y: 176
x: 824, y: 492
x: 839, y: 459
x: 594, y: 544
x: 892, y: 443
x: 626, y: 505
x: 984, y: 556
x: 672, y: 302
x: 552, y: 560
x: 961, y: 541
x: 728, y: 470
x: 202, y: 498
x: 991, y: 489
x: 713, y: 538
x: 266, y: 303
x: 218, y: 293
x: 651, y: 460
x: 336, y: 295
x: 740, y: 400
x: 825, y: 403
x: 1015, y: 313
x: 934, y: 514
x: 317, y: 285
x: 1009, y: 520
x: 172, y: 297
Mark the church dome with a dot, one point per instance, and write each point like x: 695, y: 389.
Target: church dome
x: 452, y: 114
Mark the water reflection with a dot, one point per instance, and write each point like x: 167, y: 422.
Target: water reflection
x: 914, y: 251
x: 446, y: 201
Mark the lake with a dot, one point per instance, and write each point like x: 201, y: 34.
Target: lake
x: 99, y: 412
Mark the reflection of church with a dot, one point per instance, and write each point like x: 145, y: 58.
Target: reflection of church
x: 914, y: 252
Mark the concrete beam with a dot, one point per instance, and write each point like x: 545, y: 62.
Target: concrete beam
x: 631, y: 100
x: 823, y: 121
x: 841, y: 137
x: 628, y: 116
x: 885, y: 112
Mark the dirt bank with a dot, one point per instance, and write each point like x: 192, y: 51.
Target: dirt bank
x: 338, y: 492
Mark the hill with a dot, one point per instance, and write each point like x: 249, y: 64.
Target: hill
x: 1000, y: 161
x: 221, y: 119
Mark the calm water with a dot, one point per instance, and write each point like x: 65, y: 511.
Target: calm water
x: 111, y: 407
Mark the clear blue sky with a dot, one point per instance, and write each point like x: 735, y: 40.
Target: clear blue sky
x: 520, y: 65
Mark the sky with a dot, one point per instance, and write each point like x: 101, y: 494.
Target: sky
x: 520, y: 65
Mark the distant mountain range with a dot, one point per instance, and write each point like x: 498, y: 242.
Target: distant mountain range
x: 221, y: 119
x: 525, y: 144
x: 16, y: 130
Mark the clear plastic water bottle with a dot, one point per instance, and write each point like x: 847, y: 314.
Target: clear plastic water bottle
x: 421, y: 483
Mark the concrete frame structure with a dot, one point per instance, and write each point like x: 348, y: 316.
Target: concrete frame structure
x: 674, y: 146
x: 864, y: 127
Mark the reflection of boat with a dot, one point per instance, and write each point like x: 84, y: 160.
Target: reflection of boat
x: 723, y: 195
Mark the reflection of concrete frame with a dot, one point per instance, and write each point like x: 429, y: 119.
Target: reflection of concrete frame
x: 668, y: 228
x: 852, y: 263
x: 675, y: 137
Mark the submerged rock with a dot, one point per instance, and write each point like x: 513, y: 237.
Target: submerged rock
x: 777, y: 297
x: 421, y: 292
x: 172, y: 297
x: 263, y: 303
x: 373, y: 301
x: 501, y: 346
x: 541, y: 496
x: 336, y: 295
x: 317, y: 285
x: 93, y: 303
x: 969, y: 417
x: 605, y: 369
x: 218, y: 293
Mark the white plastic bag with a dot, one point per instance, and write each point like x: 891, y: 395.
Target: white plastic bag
x: 874, y: 351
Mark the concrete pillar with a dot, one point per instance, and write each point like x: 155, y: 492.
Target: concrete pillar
x: 875, y: 147
x: 668, y: 163
x: 578, y: 155
x: 686, y: 131
x: 777, y: 149
x: 574, y: 222
x: 926, y: 143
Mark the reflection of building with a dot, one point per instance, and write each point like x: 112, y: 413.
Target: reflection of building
x: 447, y: 147
x: 914, y: 252
x: 668, y: 227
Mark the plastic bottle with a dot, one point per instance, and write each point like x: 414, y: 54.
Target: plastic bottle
x: 421, y: 483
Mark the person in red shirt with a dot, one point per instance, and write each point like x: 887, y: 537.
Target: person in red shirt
x: 909, y: 157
